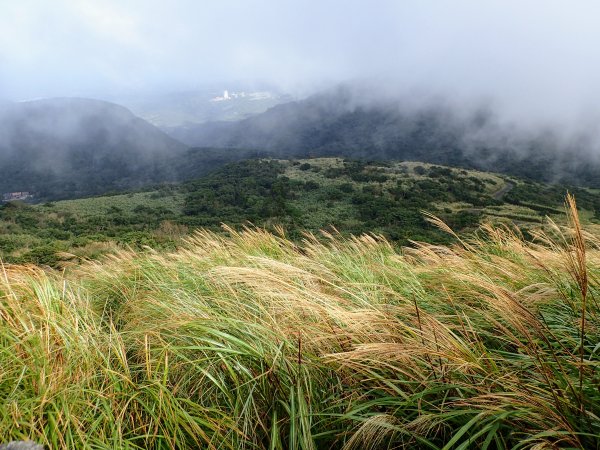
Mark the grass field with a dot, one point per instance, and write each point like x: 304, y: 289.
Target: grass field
x: 251, y: 341
x: 127, y: 203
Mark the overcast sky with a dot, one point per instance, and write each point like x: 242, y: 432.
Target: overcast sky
x: 530, y: 57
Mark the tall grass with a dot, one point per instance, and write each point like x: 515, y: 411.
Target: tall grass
x: 251, y: 341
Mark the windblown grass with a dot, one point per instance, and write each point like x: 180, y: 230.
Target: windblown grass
x: 252, y: 342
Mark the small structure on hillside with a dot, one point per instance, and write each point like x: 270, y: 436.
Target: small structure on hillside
x: 12, y: 196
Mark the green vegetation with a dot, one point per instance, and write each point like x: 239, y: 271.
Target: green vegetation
x: 335, y: 123
x: 353, y: 197
x: 54, y: 233
x: 253, y: 341
x: 356, y: 197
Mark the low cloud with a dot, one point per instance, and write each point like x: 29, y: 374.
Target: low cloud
x: 534, y: 62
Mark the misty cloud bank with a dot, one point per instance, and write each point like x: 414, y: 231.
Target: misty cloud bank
x: 535, y: 62
x: 346, y: 122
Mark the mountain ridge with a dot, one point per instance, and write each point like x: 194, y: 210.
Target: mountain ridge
x: 74, y: 147
x: 339, y: 123
x: 69, y: 147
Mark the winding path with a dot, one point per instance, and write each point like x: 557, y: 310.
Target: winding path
x: 500, y: 193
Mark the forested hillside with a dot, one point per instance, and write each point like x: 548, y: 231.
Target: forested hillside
x: 345, y: 123
x: 69, y: 148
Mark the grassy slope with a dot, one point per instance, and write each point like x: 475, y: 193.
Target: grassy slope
x: 252, y: 341
x: 310, y: 195
x: 404, y: 172
x: 90, y: 227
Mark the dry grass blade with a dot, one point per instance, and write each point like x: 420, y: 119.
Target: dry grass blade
x: 578, y: 268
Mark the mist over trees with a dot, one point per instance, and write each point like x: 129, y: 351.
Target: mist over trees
x: 65, y: 148
x: 72, y: 147
x: 340, y: 122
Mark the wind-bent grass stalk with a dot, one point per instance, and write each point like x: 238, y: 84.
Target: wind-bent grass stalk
x: 254, y: 342
x: 578, y: 269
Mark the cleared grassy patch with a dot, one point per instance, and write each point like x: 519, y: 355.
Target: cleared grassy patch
x: 127, y: 203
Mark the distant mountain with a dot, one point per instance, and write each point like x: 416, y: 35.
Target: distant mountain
x: 192, y: 107
x: 71, y: 147
x: 344, y: 122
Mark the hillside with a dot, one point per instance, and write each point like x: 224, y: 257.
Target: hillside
x: 68, y: 148
x: 352, y: 197
x: 73, y: 148
x: 253, y: 341
x: 342, y: 122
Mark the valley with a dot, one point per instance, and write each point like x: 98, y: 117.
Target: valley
x: 192, y: 107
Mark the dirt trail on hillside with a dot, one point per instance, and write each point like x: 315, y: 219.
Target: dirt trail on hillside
x: 500, y: 193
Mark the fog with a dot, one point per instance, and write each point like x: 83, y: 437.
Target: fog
x: 531, y: 62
